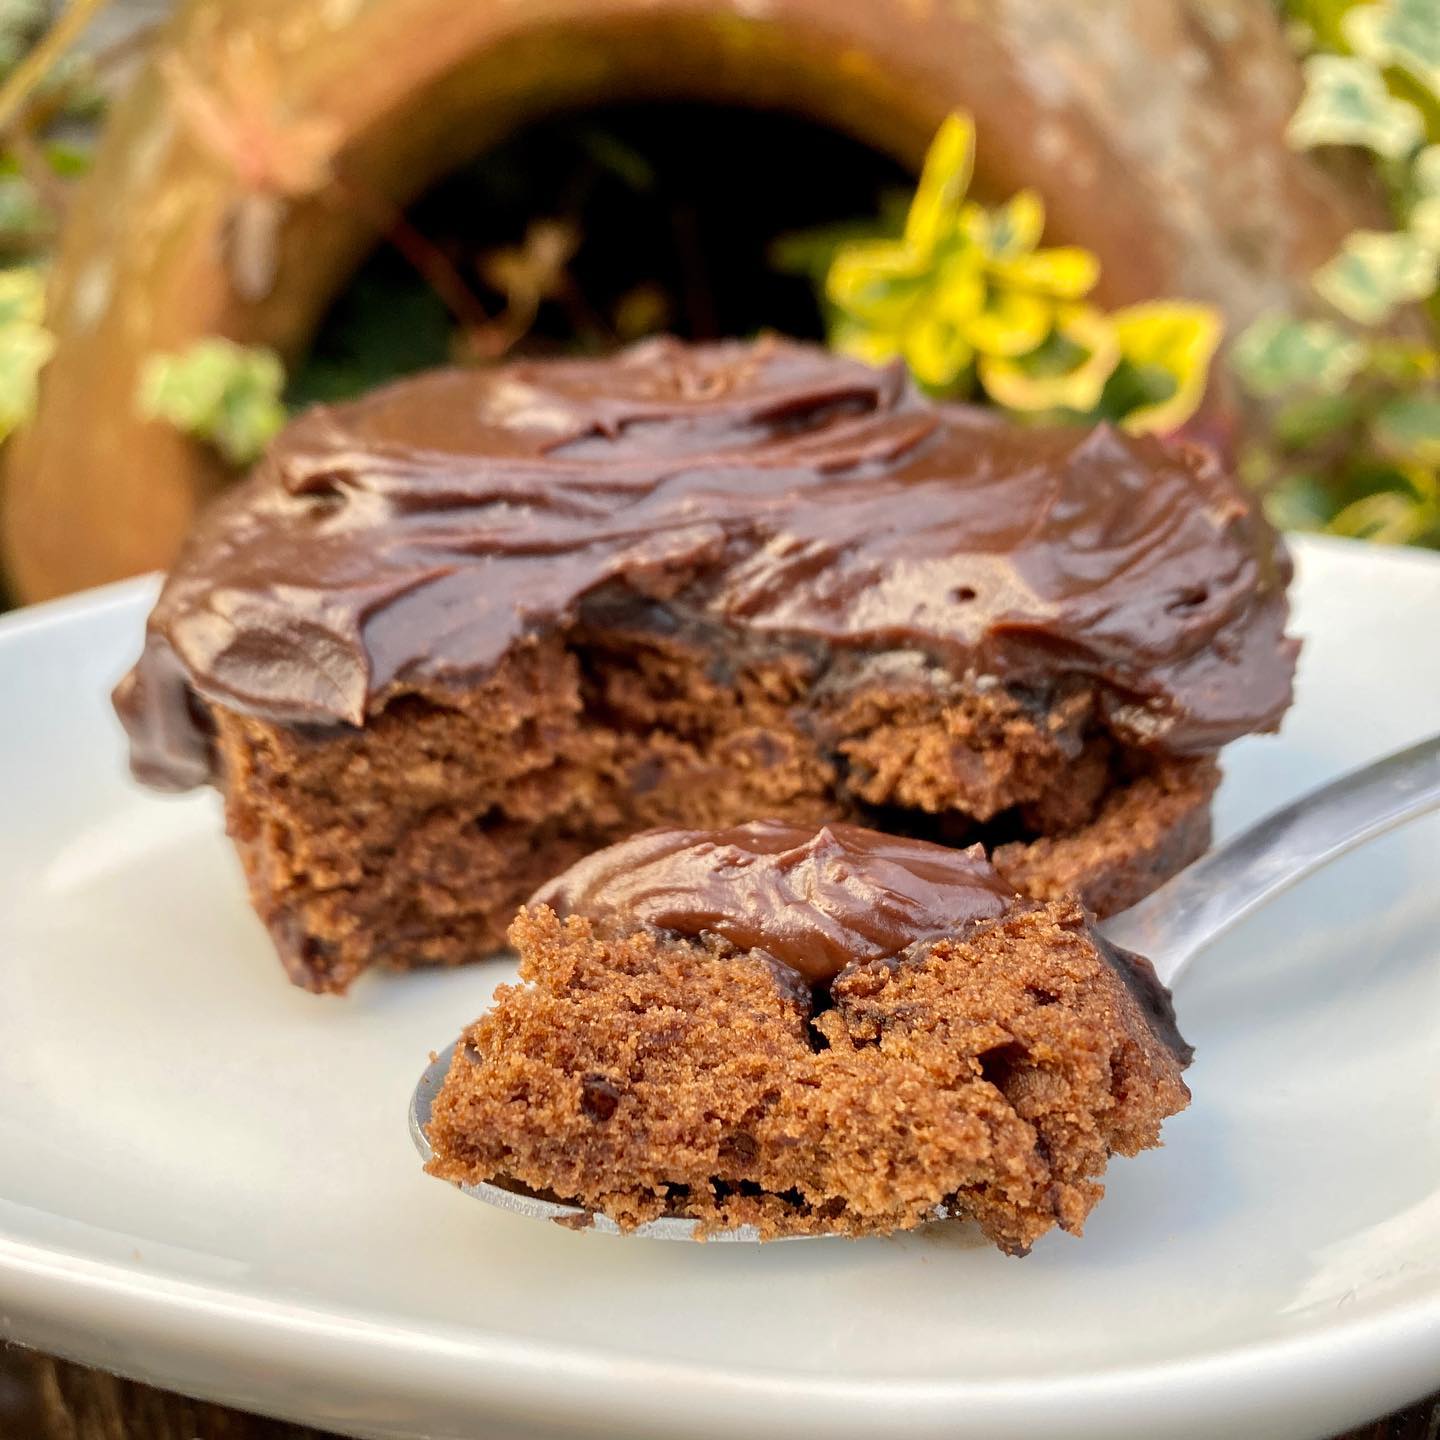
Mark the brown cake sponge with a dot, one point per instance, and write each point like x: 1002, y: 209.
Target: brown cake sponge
x: 451, y: 636
x: 987, y: 1072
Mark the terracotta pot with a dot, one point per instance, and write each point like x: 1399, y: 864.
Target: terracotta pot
x: 1152, y: 127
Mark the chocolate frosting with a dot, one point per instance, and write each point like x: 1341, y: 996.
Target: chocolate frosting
x: 813, y: 900
x: 412, y: 537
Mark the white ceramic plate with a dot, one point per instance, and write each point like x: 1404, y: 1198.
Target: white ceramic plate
x: 206, y: 1181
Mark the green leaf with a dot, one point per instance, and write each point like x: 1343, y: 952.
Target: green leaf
x: 617, y: 157
x: 1346, y: 103
x: 1424, y: 218
x: 68, y: 161
x: 1279, y: 353
x: 1311, y: 419
x: 1374, y: 272
x: 1403, y: 364
x: 812, y: 252
x: 1299, y: 502
x: 1067, y: 372
x: 877, y: 282
x: 24, y: 349
x: 1405, y: 33
x: 944, y: 179
x: 219, y: 392
x: 1425, y: 172
x: 382, y: 326
x: 1408, y: 427
x: 25, y: 344
x: 22, y: 295
x: 1323, y: 20
x: 1169, y: 344
x: 937, y: 352
x: 874, y: 347
x: 1387, y: 517
x: 24, y: 220
x: 1014, y: 228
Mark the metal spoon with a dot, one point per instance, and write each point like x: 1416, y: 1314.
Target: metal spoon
x: 1170, y: 926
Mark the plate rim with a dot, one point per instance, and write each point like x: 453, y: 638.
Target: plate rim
x: 1397, y: 1347
x: 1391, y: 1350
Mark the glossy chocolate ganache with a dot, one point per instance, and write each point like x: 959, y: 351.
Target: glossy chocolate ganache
x: 409, y: 539
x: 813, y: 900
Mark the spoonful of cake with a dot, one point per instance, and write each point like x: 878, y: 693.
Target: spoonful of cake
x: 780, y: 1030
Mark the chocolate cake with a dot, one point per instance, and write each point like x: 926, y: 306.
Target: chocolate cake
x: 451, y: 637
x: 810, y: 1030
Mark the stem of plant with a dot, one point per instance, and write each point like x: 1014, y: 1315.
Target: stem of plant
x: 431, y: 264
x: 28, y: 74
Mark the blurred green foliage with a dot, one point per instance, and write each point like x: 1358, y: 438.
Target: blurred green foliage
x: 965, y: 294
x: 225, y: 394
x: 1353, y: 444
x: 41, y: 153
x: 25, y: 343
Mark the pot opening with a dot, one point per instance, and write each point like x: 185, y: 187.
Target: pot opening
x: 593, y: 228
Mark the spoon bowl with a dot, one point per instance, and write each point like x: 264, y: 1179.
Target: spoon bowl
x: 1169, y: 927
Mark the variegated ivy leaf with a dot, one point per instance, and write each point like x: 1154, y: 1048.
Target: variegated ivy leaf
x: 1067, y: 372
x: 1424, y: 219
x: 24, y: 349
x: 937, y: 351
x: 1405, y: 33
x: 23, y: 218
x: 1346, y: 103
x: 1311, y: 419
x: 21, y: 22
x: 219, y: 392
x: 876, y: 282
x: 1172, y: 342
x: 1408, y: 427
x: 1015, y: 227
x: 1376, y: 271
x: 1404, y: 364
x: 1009, y: 323
x: 22, y: 295
x: 944, y: 179
x: 1065, y: 272
x: 25, y: 344
x: 860, y: 342
x: 1279, y: 353
x: 1390, y: 517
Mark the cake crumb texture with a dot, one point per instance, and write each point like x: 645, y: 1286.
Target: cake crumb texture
x: 414, y: 839
x: 641, y: 1075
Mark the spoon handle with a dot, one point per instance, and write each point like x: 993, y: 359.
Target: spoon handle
x: 1207, y: 898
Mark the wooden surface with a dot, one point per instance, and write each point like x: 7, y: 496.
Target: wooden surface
x: 45, y: 1399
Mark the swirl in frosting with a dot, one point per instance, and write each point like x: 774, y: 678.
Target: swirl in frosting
x: 412, y: 537
x: 815, y: 900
